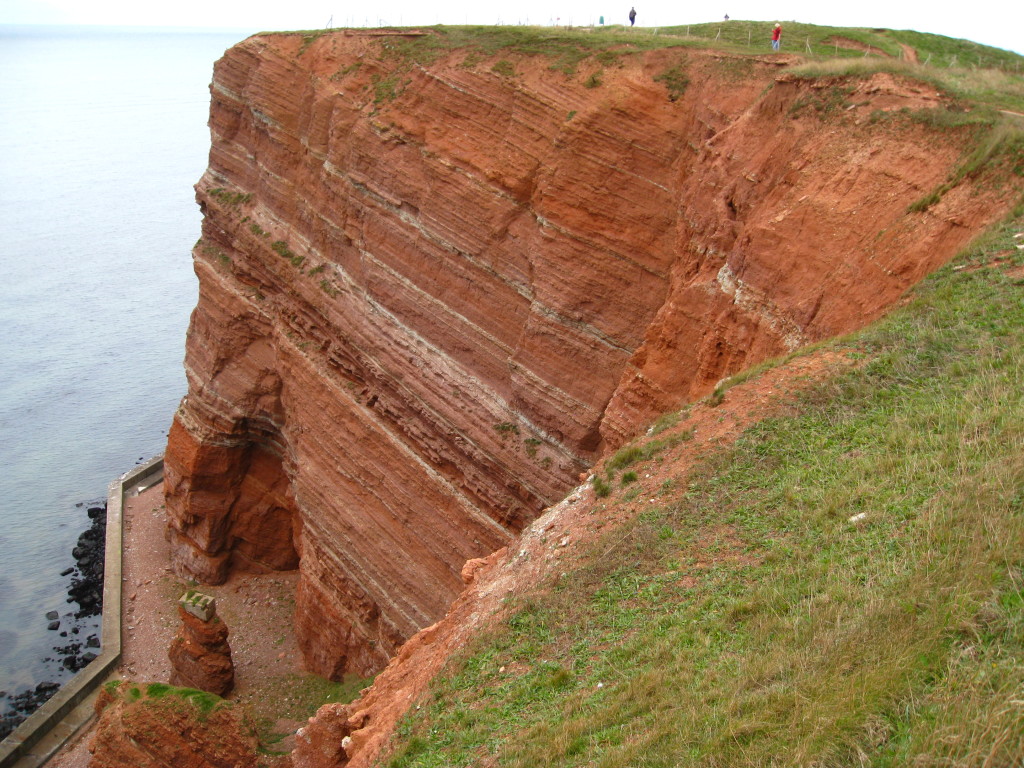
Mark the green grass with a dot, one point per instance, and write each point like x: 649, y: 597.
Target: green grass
x: 645, y: 450
x: 746, y: 36
x: 386, y: 89
x: 504, y: 68
x: 607, y: 43
x: 205, y: 703
x: 601, y: 487
x: 998, y: 150
x: 994, y: 88
x: 296, y: 697
x: 675, y: 80
x: 202, y: 700
x: 280, y: 247
x: 964, y: 68
x: 748, y: 621
x: 230, y: 198
x: 827, y: 42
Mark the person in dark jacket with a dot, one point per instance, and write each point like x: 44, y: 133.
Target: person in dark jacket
x: 632, y: 16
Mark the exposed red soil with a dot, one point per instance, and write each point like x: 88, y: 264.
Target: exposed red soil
x: 855, y: 45
x: 354, y: 735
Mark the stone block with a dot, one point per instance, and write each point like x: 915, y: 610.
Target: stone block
x: 203, y: 607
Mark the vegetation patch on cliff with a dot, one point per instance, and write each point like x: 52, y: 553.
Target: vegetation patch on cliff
x: 845, y: 584
x: 140, y: 724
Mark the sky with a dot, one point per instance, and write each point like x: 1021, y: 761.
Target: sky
x: 999, y: 23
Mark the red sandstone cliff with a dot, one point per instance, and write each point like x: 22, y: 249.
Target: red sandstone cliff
x: 431, y: 294
x: 158, y: 726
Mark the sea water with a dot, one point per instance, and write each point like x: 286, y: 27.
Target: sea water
x: 103, y: 133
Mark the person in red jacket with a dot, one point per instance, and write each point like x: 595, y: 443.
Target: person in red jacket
x: 776, y: 36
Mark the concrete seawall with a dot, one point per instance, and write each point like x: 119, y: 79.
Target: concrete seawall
x: 20, y: 747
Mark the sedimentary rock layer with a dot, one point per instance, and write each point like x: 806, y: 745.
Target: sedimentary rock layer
x: 434, y: 287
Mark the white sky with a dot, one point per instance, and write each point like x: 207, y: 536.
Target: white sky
x: 998, y: 23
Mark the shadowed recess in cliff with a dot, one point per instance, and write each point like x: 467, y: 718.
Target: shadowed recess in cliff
x: 433, y: 288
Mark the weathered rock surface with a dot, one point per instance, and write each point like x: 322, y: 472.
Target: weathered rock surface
x: 430, y: 294
x: 156, y: 726
x: 201, y: 655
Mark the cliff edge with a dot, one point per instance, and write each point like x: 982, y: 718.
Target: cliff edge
x: 437, y: 283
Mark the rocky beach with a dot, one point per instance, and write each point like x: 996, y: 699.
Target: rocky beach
x: 77, y: 629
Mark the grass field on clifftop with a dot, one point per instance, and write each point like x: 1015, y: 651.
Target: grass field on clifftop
x: 961, y: 68
x: 745, y: 620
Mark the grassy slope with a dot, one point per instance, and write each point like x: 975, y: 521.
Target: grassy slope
x: 808, y: 639
x: 828, y: 41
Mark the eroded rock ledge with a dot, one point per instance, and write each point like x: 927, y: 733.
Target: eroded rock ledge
x: 431, y: 294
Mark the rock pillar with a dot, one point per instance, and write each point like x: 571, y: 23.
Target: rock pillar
x: 200, y: 654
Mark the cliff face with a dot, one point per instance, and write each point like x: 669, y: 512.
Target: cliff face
x: 432, y: 294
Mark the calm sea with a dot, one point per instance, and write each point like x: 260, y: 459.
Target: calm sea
x: 102, y: 135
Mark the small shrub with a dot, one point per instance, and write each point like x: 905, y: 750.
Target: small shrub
x: 230, y: 198
x: 308, y: 38
x: 629, y: 477
x: 601, y: 488
x: 504, y: 68
x: 217, y: 253
x: 631, y: 454
x: 665, y: 421
x: 343, y: 71
x: 386, y: 89
x: 675, y: 80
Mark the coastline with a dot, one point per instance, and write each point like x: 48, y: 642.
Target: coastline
x: 257, y: 608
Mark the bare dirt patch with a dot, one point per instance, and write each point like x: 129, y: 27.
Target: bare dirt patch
x: 856, y: 45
